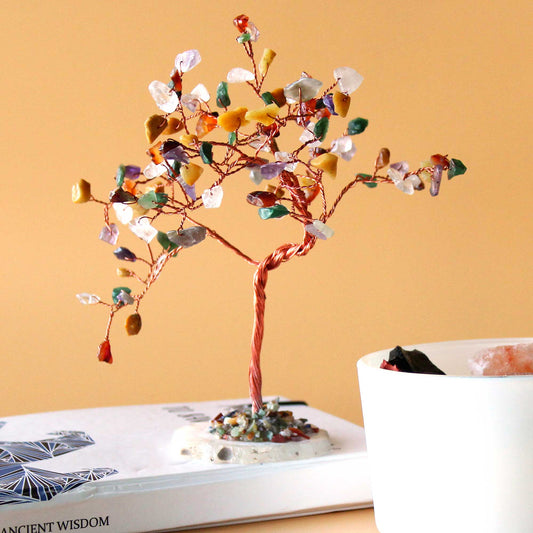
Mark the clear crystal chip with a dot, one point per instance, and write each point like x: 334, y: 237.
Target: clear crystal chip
x: 303, y: 89
x: 166, y: 99
x: 319, y: 229
x: 143, y: 229
x: 239, y: 75
x: 187, y: 60
x: 87, y: 299
x: 212, y: 198
x: 349, y: 79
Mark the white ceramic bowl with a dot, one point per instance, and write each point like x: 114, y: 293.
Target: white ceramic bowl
x: 451, y: 453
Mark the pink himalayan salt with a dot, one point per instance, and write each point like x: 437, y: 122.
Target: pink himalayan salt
x: 503, y: 361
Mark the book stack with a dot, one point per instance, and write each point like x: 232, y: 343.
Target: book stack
x: 115, y: 470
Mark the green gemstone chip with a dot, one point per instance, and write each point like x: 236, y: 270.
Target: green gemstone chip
x: 121, y: 173
x: 276, y: 211
x: 243, y: 37
x: 321, y: 128
x: 457, y: 167
x: 153, y: 199
x: 223, y: 99
x: 165, y: 242
x: 267, y: 98
x: 357, y: 125
x: 206, y: 152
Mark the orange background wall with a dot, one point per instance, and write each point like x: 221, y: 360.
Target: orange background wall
x: 441, y: 76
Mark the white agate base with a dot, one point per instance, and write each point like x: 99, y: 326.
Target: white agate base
x: 195, y: 441
x: 449, y: 453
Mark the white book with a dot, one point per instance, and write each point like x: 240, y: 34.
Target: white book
x: 114, y: 470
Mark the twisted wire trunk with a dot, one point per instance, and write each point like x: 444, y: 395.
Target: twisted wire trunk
x: 272, y: 261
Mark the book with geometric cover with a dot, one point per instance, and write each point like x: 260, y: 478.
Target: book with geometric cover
x: 114, y: 470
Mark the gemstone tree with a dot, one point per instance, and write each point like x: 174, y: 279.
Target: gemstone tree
x: 183, y: 143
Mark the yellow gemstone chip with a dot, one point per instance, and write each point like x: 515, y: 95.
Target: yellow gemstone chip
x: 341, y: 102
x: 326, y: 162
x: 266, y: 60
x: 190, y: 173
x: 426, y: 175
x: 174, y: 125
x: 81, y: 192
x: 154, y: 126
x: 188, y: 139
x: 233, y: 120
x: 306, y: 181
x: 266, y: 116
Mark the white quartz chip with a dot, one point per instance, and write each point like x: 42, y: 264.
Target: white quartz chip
x: 348, y: 79
x: 212, y: 198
